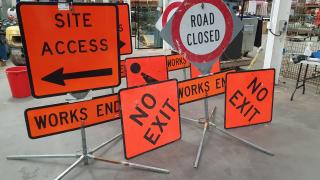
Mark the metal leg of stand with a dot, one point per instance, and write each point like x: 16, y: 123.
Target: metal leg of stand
x: 189, y: 119
x: 304, y: 79
x: 112, y: 90
x: 105, y: 143
x: 84, y: 144
x: 196, y: 162
x: 297, y: 83
x: 244, y: 141
x: 206, y: 123
x: 24, y: 157
x: 185, y: 73
x: 133, y: 165
x: 70, y: 168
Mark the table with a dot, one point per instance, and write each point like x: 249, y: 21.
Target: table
x: 310, y: 61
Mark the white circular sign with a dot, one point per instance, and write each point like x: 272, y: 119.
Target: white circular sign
x: 202, y: 28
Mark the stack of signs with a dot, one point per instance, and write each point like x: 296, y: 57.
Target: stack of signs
x: 150, y: 117
x: 201, y: 31
x: 249, y: 98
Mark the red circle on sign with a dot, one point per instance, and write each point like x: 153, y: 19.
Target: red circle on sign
x: 176, y: 30
x: 167, y: 12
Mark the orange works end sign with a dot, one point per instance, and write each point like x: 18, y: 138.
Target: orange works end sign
x: 70, y: 51
x: 202, y: 87
x: 59, y: 118
x: 150, y: 117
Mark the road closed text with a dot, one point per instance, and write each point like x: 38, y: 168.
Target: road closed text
x: 200, y: 20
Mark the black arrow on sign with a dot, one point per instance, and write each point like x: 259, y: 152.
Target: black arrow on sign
x: 121, y: 44
x: 58, y: 77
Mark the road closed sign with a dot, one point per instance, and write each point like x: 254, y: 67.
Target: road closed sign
x: 201, y: 30
x: 70, y: 50
x: 150, y: 117
x: 249, y: 98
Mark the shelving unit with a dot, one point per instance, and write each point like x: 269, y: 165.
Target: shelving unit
x: 303, y: 22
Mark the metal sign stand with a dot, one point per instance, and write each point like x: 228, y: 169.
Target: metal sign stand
x: 209, y: 122
x: 87, y: 153
x: 185, y: 73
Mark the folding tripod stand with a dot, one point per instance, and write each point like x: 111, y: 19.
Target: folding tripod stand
x: 87, y: 153
x: 209, y: 122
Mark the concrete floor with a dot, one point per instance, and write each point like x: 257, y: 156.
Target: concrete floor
x: 293, y: 135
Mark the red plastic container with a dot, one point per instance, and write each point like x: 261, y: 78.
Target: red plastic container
x: 18, y: 81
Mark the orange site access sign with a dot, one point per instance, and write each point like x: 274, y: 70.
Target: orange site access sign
x: 150, y: 117
x: 202, y: 87
x: 70, y: 50
x: 125, y: 43
x: 146, y: 70
x: 194, y: 72
x: 249, y: 98
x: 176, y: 62
x: 59, y: 118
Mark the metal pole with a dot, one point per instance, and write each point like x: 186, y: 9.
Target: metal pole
x: 196, y: 162
x: 189, y: 119
x: 84, y: 144
x: 206, y: 111
x: 23, y: 157
x: 206, y: 108
x: 133, y: 165
x: 70, y: 168
x: 244, y: 141
x: 185, y: 74
x: 105, y: 143
x: 112, y: 90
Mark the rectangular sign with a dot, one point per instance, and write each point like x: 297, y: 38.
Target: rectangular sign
x: 150, y: 117
x: 59, y: 118
x: 124, y: 29
x: 202, y: 87
x: 249, y: 98
x: 70, y: 50
x: 175, y: 62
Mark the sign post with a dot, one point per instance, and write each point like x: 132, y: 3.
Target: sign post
x: 201, y: 31
x: 247, y: 103
x: 86, y: 153
x: 85, y: 57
